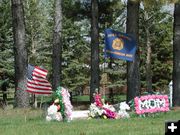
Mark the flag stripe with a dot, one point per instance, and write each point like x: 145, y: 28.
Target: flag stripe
x: 38, y: 74
x: 35, y: 92
x: 37, y: 82
x: 42, y: 80
x: 40, y: 69
x: 35, y: 89
x: 38, y: 87
x: 35, y: 76
x: 43, y: 91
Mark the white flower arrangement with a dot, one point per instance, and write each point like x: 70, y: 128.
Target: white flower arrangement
x: 53, y: 113
x: 95, y: 111
x: 110, y: 107
x: 122, y: 112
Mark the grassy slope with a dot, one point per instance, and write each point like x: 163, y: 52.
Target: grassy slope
x: 32, y: 122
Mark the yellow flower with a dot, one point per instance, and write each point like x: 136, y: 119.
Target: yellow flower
x: 104, y: 116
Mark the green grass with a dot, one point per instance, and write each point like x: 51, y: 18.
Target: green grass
x: 32, y: 122
x: 81, y: 98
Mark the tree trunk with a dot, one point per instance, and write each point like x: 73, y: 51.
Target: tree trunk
x: 4, y: 89
x: 57, y: 46
x: 148, y: 63
x: 133, y: 74
x: 176, y: 56
x: 94, y: 49
x: 20, y: 52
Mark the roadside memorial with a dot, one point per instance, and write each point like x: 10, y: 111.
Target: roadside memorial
x: 151, y: 104
x: 61, y: 109
x: 99, y: 109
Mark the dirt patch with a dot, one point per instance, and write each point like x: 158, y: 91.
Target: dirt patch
x: 176, y: 108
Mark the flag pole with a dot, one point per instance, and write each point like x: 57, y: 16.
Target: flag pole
x: 105, y: 77
x: 104, y: 66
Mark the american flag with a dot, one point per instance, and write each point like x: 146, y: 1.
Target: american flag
x: 37, y: 82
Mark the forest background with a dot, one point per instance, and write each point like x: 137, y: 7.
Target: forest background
x: 155, y: 33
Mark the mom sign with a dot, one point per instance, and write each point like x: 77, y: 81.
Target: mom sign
x: 151, y: 104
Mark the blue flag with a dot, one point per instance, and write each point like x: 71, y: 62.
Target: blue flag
x: 119, y: 45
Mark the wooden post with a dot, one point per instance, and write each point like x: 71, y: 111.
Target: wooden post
x: 42, y: 97
x: 34, y: 101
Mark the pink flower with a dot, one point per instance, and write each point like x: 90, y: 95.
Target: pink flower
x: 143, y: 97
x: 143, y: 111
x: 138, y: 111
x: 98, y: 100
x: 109, y: 113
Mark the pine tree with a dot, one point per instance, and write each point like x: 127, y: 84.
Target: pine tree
x: 176, y: 55
x: 133, y: 79
x: 94, y: 49
x: 20, y: 51
x: 57, y: 45
x: 6, y: 46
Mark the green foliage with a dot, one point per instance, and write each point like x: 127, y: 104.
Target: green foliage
x: 112, y: 15
x: 117, y: 74
x: 58, y: 95
x: 6, y: 81
x: 6, y: 42
x: 76, y: 40
x: 75, y: 54
x: 38, y: 17
x: 159, y: 24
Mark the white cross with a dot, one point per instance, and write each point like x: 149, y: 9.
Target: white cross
x: 172, y: 127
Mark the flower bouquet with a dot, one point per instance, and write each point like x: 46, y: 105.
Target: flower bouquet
x: 61, y: 107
